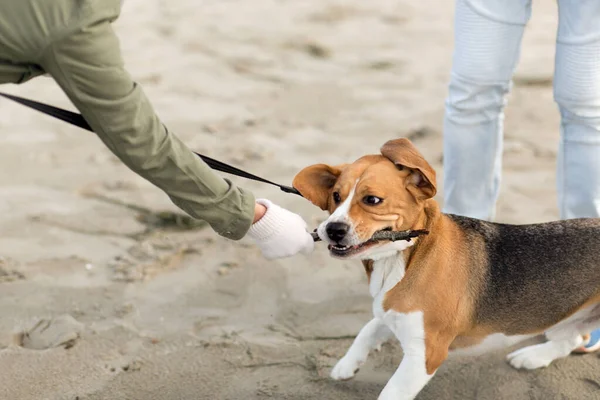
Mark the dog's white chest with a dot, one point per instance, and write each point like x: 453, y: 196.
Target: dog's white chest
x: 387, y: 272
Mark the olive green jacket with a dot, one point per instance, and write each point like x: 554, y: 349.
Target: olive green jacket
x: 73, y: 41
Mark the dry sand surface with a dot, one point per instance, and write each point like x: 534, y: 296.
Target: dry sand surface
x: 105, y: 296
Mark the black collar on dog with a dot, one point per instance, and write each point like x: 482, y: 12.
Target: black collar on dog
x: 392, y: 236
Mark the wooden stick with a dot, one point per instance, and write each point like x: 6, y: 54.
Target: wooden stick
x: 392, y: 236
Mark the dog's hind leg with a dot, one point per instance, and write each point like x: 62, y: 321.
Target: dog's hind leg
x: 563, y: 338
x: 541, y: 355
x: 370, y: 337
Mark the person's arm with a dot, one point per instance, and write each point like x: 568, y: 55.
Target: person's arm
x: 88, y: 66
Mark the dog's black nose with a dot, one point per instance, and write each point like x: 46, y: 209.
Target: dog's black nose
x: 337, y: 231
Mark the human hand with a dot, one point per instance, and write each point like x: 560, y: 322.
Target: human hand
x: 279, y: 233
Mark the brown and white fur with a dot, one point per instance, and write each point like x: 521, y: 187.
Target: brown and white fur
x: 468, y: 284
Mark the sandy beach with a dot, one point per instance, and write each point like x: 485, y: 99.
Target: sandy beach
x: 107, y: 291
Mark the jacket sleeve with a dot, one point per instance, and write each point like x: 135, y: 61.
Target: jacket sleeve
x: 88, y: 66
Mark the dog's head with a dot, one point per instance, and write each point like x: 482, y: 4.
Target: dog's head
x: 376, y: 192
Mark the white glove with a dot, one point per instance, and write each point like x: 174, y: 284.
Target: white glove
x: 280, y: 233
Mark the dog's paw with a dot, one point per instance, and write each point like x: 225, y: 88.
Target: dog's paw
x: 531, y: 357
x: 346, y: 368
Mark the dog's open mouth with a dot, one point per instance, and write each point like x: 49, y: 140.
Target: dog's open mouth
x: 383, y: 236
x: 341, y: 251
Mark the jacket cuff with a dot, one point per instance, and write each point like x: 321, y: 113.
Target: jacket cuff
x: 240, y: 226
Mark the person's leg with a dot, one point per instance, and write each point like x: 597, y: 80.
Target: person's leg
x: 487, y: 46
x: 577, y: 93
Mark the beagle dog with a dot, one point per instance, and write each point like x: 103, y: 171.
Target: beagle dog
x: 468, y: 284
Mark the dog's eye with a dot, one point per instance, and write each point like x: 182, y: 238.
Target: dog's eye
x: 372, y: 200
x: 336, y: 197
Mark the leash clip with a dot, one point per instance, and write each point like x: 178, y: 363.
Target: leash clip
x: 289, y: 189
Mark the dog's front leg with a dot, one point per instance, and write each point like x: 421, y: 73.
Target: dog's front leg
x: 370, y: 337
x: 422, y: 356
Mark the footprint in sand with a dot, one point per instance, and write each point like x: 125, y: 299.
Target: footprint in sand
x: 63, y: 331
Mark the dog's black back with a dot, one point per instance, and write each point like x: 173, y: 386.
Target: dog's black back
x: 538, y: 272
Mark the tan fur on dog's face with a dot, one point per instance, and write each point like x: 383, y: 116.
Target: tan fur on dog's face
x: 400, y: 179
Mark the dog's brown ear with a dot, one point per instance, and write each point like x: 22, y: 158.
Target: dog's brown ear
x: 405, y: 155
x: 315, y: 183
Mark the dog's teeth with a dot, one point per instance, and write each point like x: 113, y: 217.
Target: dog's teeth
x: 339, y: 247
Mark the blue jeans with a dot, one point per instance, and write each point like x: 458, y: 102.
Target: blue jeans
x: 488, y: 36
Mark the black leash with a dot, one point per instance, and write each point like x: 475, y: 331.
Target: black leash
x: 78, y: 120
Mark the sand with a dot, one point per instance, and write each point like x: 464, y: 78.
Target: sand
x: 103, y: 300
